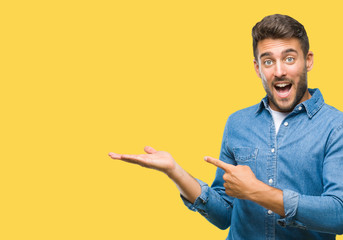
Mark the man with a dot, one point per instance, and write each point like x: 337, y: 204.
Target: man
x: 280, y: 170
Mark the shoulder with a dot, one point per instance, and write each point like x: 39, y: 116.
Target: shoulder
x: 331, y: 115
x: 321, y: 111
x: 332, y: 122
x: 333, y: 119
x: 241, y: 116
x: 332, y: 110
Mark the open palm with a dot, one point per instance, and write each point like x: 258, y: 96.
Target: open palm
x: 158, y: 160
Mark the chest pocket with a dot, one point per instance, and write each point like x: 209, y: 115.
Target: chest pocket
x: 246, y: 156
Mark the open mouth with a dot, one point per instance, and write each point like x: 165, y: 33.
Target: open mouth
x: 283, y: 89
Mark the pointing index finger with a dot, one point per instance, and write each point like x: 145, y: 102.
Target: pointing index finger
x: 219, y: 163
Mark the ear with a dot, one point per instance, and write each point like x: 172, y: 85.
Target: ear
x: 309, y: 61
x: 257, y: 69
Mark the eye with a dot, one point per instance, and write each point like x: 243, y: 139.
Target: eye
x: 289, y: 59
x: 268, y: 62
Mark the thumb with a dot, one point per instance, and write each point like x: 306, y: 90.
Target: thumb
x: 149, y: 150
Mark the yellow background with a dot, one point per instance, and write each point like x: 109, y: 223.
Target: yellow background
x: 82, y: 78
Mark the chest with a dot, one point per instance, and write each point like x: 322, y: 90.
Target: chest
x: 291, y: 159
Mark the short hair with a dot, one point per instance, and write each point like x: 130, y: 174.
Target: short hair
x: 279, y: 26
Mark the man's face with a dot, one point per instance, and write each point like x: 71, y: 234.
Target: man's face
x: 283, y: 69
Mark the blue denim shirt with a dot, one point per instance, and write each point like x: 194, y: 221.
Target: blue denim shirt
x: 304, y: 160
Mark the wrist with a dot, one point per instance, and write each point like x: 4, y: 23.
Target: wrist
x: 269, y: 197
x: 174, y: 171
x: 259, y: 190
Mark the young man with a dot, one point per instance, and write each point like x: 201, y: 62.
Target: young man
x: 280, y: 170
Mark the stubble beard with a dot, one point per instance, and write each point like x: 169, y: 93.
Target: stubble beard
x: 300, y: 92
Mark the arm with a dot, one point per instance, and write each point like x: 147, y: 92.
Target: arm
x: 189, y: 187
x: 322, y: 213
x: 318, y: 213
x: 240, y: 182
x: 164, y: 162
x: 213, y: 204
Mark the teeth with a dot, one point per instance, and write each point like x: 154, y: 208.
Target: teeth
x: 282, y: 84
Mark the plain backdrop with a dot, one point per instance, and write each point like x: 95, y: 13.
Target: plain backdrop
x: 82, y: 78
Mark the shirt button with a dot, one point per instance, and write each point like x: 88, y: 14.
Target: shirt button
x: 270, y: 212
x: 273, y: 150
x: 270, y: 181
x: 299, y: 108
x: 286, y: 124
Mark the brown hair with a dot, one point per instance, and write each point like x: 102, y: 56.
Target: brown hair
x: 279, y: 26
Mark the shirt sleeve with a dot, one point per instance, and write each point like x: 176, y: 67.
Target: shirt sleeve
x: 320, y: 213
x: 213, y: 203
x: 212, y: 206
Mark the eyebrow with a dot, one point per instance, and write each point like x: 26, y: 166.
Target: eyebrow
x: 285, y: 51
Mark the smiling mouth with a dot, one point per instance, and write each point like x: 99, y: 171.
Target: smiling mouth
x: 283, y: 89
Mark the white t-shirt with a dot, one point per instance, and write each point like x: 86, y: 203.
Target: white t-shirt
x: 278, y: 117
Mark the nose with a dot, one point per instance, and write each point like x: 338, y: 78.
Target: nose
x: 280, y: 70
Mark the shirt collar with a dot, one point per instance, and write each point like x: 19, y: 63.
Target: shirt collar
x: 312, y: 106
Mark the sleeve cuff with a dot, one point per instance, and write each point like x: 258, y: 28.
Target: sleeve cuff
x: 290, y: 202
x: 199, y: 203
